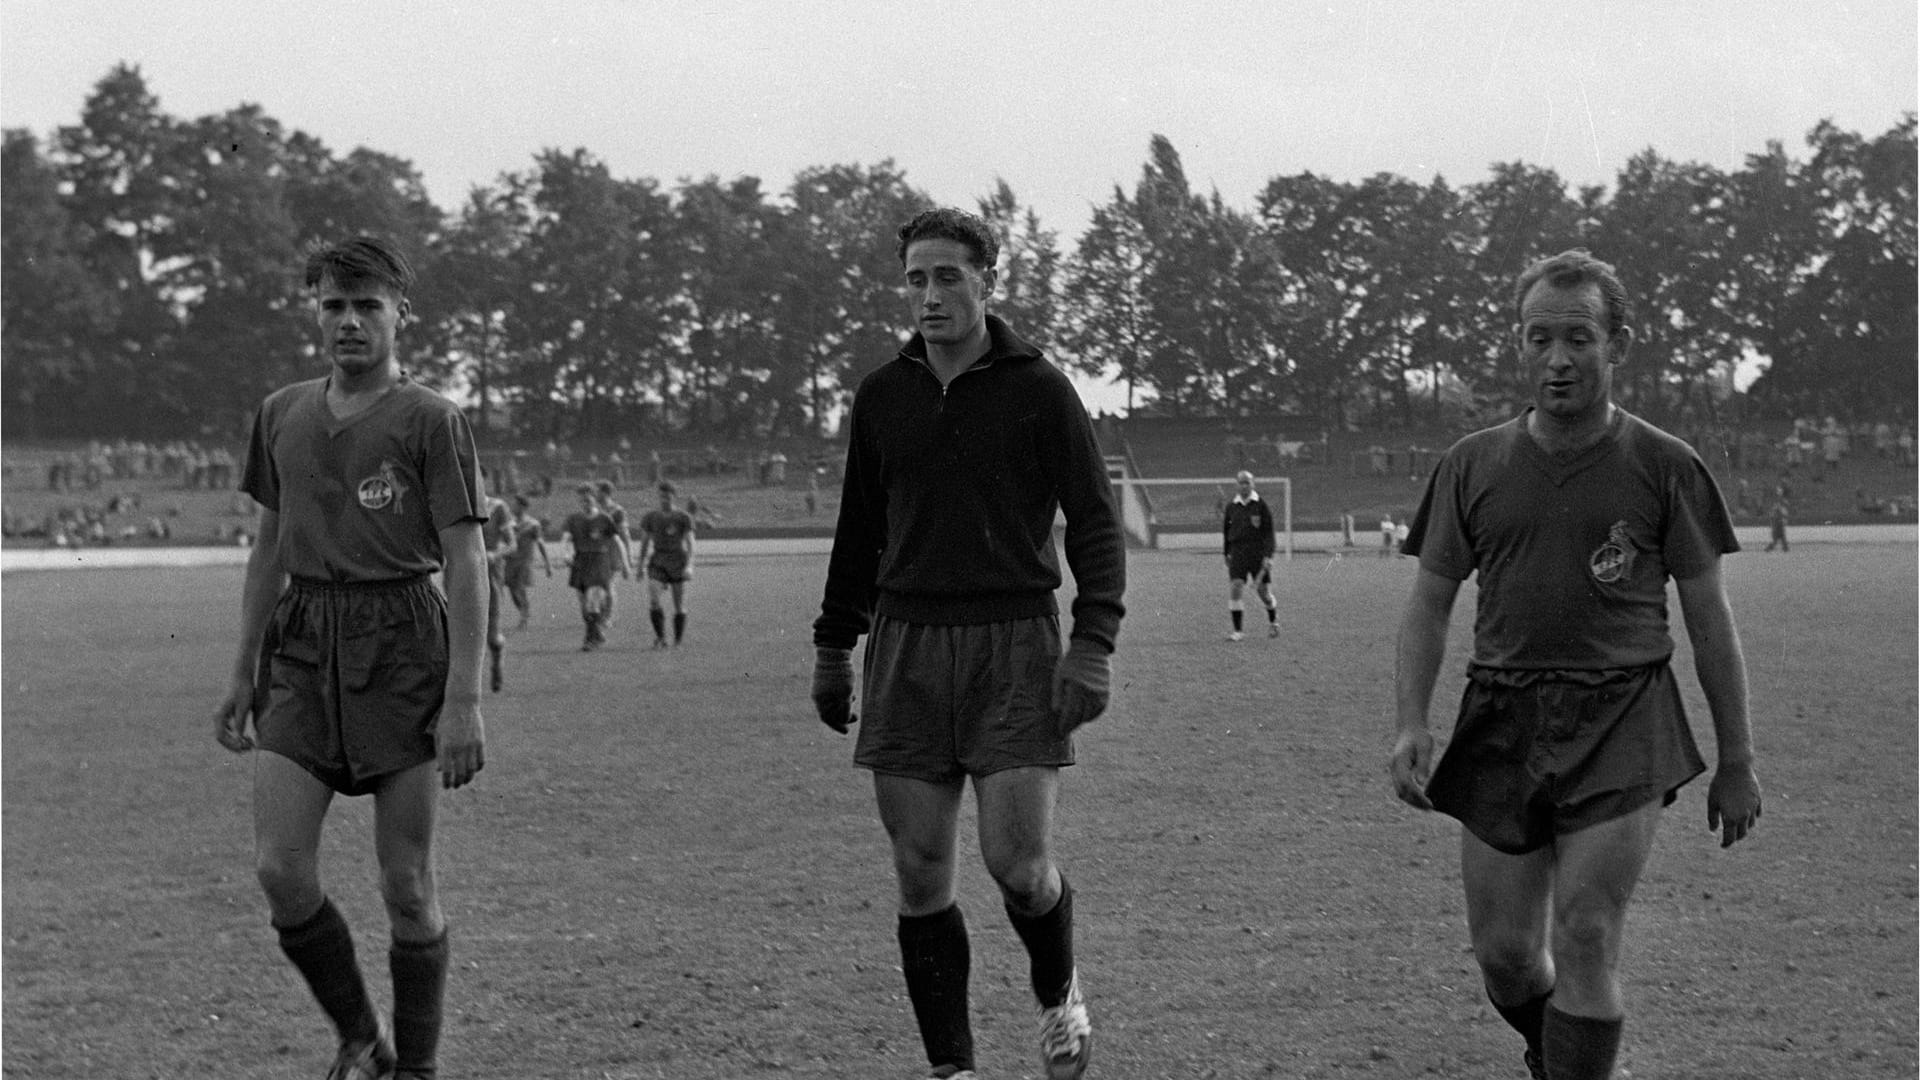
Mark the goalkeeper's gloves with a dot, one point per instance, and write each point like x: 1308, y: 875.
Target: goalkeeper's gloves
x: 833, y: 687
x: 1080, y: 685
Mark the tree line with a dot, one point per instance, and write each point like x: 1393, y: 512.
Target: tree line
x: 151, y: 286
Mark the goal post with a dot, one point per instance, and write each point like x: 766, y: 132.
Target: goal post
x: 1185, y: 512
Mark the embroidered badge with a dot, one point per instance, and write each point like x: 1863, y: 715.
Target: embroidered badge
x: 1612, y: 560
x: 383, y: 489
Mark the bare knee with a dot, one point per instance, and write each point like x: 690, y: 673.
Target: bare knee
x: 1509, y: 956
x: 408, y: 890
x: 1586, y: 935
x: 925, y: 873
x: 291, y: 885
x: 1028, y: 882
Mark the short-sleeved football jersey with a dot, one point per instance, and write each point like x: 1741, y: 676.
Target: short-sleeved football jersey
x: 589, y: 531
x: 365, y: 498
x: 668, y: 529
x: 1573, y: 555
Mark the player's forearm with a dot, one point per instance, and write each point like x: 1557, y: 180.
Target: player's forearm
x: 1720, y: 663
x: 1721, y: 666
x: 466, y: 583
x: 1417, y: 658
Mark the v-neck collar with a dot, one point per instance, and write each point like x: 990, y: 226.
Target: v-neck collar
x: 337, y: 423
x: 1559, y: 469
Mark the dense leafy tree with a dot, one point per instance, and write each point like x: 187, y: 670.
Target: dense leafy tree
x: 151, y: 282
x: 54, y: 315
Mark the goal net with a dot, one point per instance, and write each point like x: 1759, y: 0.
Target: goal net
x: 1185, y: 512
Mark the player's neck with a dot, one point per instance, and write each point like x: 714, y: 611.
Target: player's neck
x: 949, y: 360
x: 350, y: 391
x: 1569, y: 435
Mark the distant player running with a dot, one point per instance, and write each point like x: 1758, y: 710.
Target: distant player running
x: 666, y: 549
x: 591, y: 532
x: 528, y: 539
x: 497, y: 536
x: 369, y: 675
x: 1247, y: 538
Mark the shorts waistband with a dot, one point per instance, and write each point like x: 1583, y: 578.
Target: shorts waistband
x: 322, y: 585
x: 1519, y: 678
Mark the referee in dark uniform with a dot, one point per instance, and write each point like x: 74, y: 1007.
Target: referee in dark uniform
x: 1246, y: 534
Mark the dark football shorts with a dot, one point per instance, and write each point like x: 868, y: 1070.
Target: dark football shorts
x: 355, y: 675
x: 1538, y: 754
x: 1244, y: 562
x: 943, y: 702
x: 668, y: 568
x: 590, y: 568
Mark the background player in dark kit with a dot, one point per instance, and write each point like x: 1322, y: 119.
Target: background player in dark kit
x: 369, y: 484
x: 528, y: 539
x: 964, y: 447
x: 622, y: 551
x: 666, y: 552
x: 592, y: 535
x: 1571, y: 738
x: 1246, y: 537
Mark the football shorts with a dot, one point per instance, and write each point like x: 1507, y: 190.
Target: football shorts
x: 1538, y: 754
x: 355, y: 676
x: 943, y: 702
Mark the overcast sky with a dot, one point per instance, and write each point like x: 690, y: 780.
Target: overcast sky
x: 1059, y: 98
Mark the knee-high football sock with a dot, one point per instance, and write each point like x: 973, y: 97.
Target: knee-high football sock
x: 679, y: 626
x: 936, y: 961
x: 1525, y: 1018
x: 419, y: 993
x: 659, y: 620
x: 1579, y: 1047
x: 1049, y: 942
x: 1238, y: 611
x: 322, y: 951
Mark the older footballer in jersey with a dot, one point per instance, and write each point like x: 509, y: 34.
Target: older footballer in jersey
x: 1570, y: 738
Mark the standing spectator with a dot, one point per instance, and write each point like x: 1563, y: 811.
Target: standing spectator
x: 1777, y: 523
x: 1833, y: 444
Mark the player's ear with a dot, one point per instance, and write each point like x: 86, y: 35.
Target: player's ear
x: 406, y: 314
x: 1617, y: 343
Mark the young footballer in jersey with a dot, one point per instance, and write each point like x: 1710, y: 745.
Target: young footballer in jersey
x: 529, y: 539
x: 593, y: 537
x: 964, y: 447
x: 369, y: 675
x: 666, y: 549
x: 1247, y: 538
x: 622, y: 552
x: 1571, y: 738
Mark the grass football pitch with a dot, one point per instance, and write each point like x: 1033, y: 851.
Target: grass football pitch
x: 669, y: 869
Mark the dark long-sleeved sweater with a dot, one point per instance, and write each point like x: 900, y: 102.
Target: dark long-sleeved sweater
x: 947, y: 512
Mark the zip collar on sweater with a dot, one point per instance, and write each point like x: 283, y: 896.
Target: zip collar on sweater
x: 1002, y: 344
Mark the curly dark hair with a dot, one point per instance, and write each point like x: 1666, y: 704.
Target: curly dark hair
x: 947, y: 223
x: 360, y: 261
x: 1571, y: 269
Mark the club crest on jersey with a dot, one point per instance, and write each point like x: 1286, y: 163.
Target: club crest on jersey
x: 383, y: 489
x: 1612, y: 560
